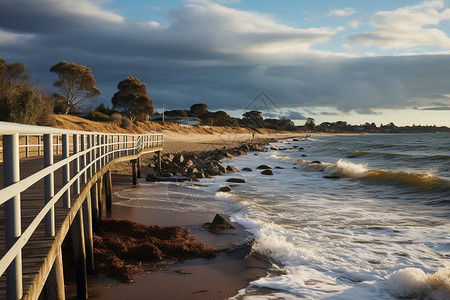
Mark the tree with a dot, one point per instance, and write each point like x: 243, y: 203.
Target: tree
x: 310, y: 123
x: 198, y: 109
x: 20, y: 100
x: 253, y: 118
x: 176, y: 113
x: 133, y: 99
x: 75, y: 84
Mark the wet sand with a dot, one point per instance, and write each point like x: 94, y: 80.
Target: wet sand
x: 218, y: 278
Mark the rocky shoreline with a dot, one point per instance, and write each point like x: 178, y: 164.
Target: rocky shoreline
x: 191, y: 166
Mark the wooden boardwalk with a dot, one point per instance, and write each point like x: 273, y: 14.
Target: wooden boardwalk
x: 39, y: 253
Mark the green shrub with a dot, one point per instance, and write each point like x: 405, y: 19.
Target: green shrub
x: 97, y: 116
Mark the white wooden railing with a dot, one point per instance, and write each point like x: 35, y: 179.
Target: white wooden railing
x: 85, y: 152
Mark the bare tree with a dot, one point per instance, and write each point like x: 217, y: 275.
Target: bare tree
x: 75, y: 84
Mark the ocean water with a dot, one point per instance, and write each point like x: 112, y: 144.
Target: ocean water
x: 370, y: 221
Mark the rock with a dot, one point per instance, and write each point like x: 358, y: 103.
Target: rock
x: 332, y: 176
x: 247, y: 169
x: 179, y: 159
x: 295, y: 140
x: 295, y: 147
x: 168, y: 157
x: 351, y: 156
x: 151, y: 178
x: 294, y: 168
x: 304, y: 155
x: 232, y: 169
x: 316, y: 162
x: 229, y: 155
x: 279, y: 168
x: 189, y: 163
x: 198, y: 175
x: 267, y: 172
x: 264, y: 167
x: 236, y: 180
x: 301, y: 149
x: 225, y: 189
x: 219, y: 223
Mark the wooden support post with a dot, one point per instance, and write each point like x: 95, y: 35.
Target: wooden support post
x: 134, y: 171
x: 139, y: 169
x: 54, y: 286
x: 101, y: 198
x: 108, y: 191
x: 158, y: 161
x: 94, y: 205
x: 88, y: 238
x: 77, y: 232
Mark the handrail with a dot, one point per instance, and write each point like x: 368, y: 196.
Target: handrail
x: 91, y: 151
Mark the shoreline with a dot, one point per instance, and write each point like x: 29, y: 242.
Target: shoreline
x: 216, y: 278
x: 221, y: 277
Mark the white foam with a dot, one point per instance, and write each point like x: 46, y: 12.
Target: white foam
x: 345, y: 168
x: 415, y: 283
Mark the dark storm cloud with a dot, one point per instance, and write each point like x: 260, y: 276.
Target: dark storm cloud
x: 294, y: 115
x: 212, y: 54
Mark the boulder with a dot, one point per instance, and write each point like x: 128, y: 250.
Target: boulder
x: 236, y: 180
x: 304, y: 155
x: 301, y: 149
x: 232, y: 169
x: 229, y: 155
x: 332, y: 176
x: 179, y: 159
x: 198, y: 175
x: 189, y: 163
x: 279, y: 168
x: 151, y: 178
x: 267, y: 172
x: 225, y: 189
x: 264, y: 167
x: 219, y: 223
x: 247, y: 169
x: 316, y: 162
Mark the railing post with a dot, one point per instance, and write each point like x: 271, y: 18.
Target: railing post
x: 97, y: 154
x: 39, y: 145
x: 27, y: 142
x: 66, y: 169
x: 76, y: 165
x: 11, y: 174
x: 83, y: 158
x: 57, y: 144
x: 126, y: 145
x: 89, y: 156
x: 49, y: 185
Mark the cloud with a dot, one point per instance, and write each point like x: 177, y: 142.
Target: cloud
x: 217, y: 55
x: 342, y: 12
x: 407, y: 27
x: 294, y: 115
x: 436, y: 108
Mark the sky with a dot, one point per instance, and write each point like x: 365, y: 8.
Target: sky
x: 356, y: 61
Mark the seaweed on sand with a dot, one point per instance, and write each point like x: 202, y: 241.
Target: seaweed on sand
x: 121, y: 246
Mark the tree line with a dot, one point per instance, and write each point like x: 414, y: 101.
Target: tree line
x: 23, y: 101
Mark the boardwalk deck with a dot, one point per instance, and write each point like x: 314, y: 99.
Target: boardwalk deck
x: 37, y: 253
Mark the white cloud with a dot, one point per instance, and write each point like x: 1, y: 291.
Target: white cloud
x: 342, y: 12
x: 408, y: 27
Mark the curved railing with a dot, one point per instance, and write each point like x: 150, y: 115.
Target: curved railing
x: 80, y: 155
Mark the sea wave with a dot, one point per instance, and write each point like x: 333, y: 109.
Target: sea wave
x: 346, y: 169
